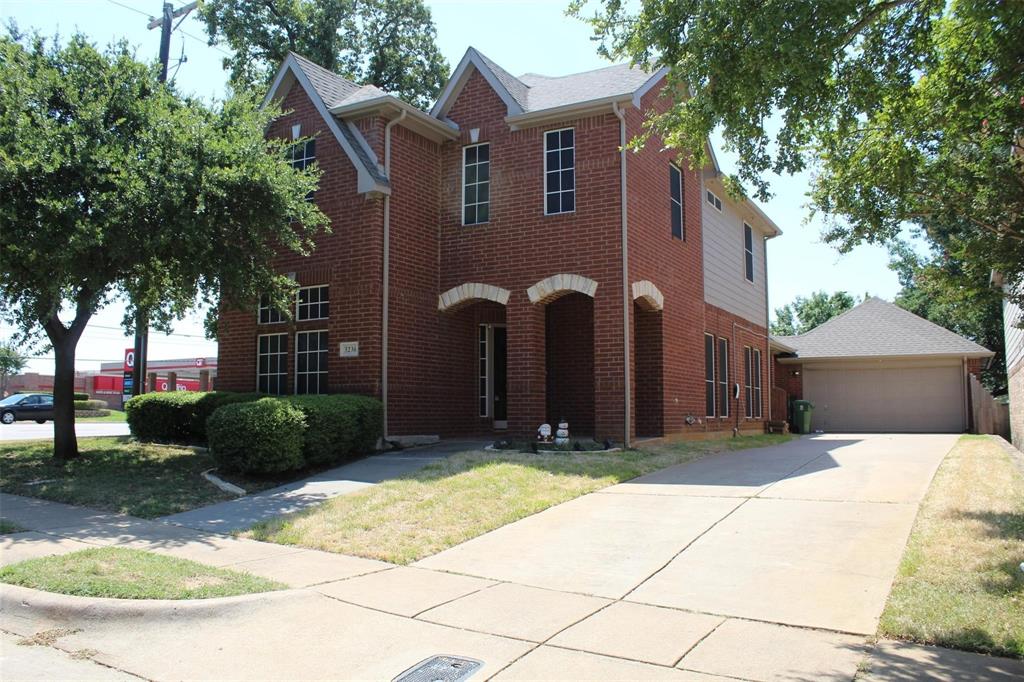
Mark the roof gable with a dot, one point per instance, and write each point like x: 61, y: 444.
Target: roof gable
x: 503, y: 83
x: 877, y: 328
x: 323, y: 86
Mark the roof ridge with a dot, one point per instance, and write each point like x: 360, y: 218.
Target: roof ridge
x: 580, y: 73
x: 839, y: 316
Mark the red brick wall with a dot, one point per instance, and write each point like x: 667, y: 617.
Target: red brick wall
x: 569, y: 342
x: 648, y: 372
x: 520, y: 245
x: 348, y: 259
x: 739, y: 333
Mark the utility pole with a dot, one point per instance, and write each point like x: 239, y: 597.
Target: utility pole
x: 165, y: 21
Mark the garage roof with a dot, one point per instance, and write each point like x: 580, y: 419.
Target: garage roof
x: 876, y: 329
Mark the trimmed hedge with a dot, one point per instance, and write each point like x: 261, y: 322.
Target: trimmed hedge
x: 91, y: 413
x: 261, y: 437
x: 338, y: 427
x: 90, y: 404
x: 81, y: 396
x: 177, y: 416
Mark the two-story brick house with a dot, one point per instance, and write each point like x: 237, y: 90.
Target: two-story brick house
x: 500, y: 262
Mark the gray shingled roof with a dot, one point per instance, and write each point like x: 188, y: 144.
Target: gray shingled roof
x: 515, y: 87
x: 547, y: 92
x: 877, y: 328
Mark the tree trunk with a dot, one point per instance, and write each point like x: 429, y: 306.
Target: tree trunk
x: 65, y: 443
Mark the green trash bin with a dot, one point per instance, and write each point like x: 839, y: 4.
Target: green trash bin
x: 802, y: 415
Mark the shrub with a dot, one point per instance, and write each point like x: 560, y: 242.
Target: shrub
x: 338, y: 427
x: 260, y: 437
x: 90, y: 404
x: 163, y: 417
x: 91, y: 413
x: 207, y: 404
x: 81, y: 396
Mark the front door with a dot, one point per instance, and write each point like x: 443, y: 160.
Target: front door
x: 500, y: 384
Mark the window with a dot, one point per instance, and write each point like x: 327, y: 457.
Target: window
x: 714, y: 200
x: 756, y: 370
x: 709, y: 374
x: 723, y: 377
x: 313, y: 303
x: 302, y: 155
x: 675, y: 186
x: 311, y: 362
x: 559, y: 172
x: 271, y: 363
x: 268, y: 314
x: 748, y: 252
x: 484, y: 397
x: 748, y: 394
x: 476, y: 184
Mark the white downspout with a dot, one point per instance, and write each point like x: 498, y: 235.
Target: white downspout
x: 626, y: 299
x: 385, y: 284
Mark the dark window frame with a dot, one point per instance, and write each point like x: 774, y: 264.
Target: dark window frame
x: 305, y: 379
x: 266, y: 313
x: 473, y: 188
x: 276, y: 382
x: 561, y: 173
x: 677, y: 214
x: 748, y: 252
x: 748, y: 386
x: 304, y: 310
x: 723, y: 377
x: 709, y: 375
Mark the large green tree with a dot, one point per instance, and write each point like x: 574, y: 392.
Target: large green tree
x: 113, y: 185
x: 387, y: 43
x: 804, y: 314
x: 907, y: 111
x: 942, y: 288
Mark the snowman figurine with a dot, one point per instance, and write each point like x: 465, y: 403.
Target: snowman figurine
x: 562, y: 434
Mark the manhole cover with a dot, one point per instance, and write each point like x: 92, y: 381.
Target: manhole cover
x: 441, y: 669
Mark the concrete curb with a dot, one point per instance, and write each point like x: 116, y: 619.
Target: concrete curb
x: 30, y: 604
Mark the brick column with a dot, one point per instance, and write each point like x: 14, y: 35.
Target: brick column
x: 204, y: 380
x: 172, y: 381
x: 609, y: 386
x: 526, y: 365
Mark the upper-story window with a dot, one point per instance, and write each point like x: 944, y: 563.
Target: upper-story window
x: 313, y: 303
x: 748, y: 252
x: 476, y: 184
x: 268, y: 314
x: 559, y: 171
x: 714, y: 200
x: 675, y: 186
x: 301, y: 155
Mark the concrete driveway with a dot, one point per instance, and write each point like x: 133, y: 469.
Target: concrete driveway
x: 808, y: 534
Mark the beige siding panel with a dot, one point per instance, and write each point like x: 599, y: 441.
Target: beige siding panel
x: 886, y: 397
x: 725, y: 285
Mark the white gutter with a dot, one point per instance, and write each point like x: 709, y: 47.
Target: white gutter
x: 385, y: 284
x: 626, y: 298
x: 566, y: 111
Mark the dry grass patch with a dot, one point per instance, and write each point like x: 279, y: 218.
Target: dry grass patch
x: 123, y: 573
x: 468, y: 494
x: 960, y: 584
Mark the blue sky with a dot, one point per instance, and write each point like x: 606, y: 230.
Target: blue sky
x: 521, y: 35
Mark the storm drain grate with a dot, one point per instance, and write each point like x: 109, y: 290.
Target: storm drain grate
x: 441, y: 669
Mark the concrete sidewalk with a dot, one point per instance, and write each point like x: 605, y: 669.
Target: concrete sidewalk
x: 244, y: 512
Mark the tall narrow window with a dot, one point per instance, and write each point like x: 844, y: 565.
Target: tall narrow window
x: 709, y: 375
x: 311, y: 362
x: 675, y: 186
x: 559, y: 171
x: 483, y: 380
x: 271, y: 363
x: 757, y: 383
x: 313, y: 303
x: 748, y: 395
x: 748, y: 252
x: 301, y: 155
x: 723, y: 377
x: 268, y: 314
x: 476, y: 184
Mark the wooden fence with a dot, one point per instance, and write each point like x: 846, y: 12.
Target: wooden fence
x: 987, y: 414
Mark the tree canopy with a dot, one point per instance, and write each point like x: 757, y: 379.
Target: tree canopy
x: 907, y: 111
x: 387, y: 43
x: 114, y: 185
x: 11, y: 362
x: 804, y: 314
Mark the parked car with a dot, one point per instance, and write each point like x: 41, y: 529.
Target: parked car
x: 26, y: 406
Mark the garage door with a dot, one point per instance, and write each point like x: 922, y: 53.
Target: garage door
x: 886, y: 398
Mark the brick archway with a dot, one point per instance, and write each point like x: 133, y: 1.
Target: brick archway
x: 556, y: 286
x: 648, y: 296
x: 470, y: 292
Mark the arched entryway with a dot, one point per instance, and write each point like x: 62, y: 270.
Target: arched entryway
x: 648, y: 359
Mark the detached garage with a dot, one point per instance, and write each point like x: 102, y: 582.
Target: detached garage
x: 880, y: 368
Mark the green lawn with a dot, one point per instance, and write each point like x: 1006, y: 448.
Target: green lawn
x: 114, y: 474
x: 449, y: 502
x: 960, y: 584
x: 114, y: 416
x: 131, y: 574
